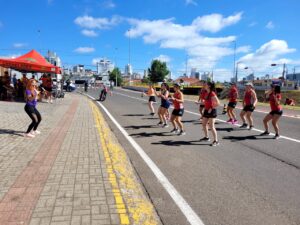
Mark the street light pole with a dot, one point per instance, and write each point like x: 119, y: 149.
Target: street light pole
x: 234, y: 66
x: 129, y: 49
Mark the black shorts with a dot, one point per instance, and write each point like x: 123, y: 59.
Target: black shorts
x: 212, y: 114
x: 201, y: 106
x: 49, y: 89
x: 232, y: 104
x: 152, y: 99
x: 178, y: 112
x: 276, y: 112
x: 248, y: 108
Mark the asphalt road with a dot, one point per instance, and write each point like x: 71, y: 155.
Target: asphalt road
x: 247, y: 179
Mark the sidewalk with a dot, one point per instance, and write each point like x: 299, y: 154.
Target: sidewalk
x: 74, y: 172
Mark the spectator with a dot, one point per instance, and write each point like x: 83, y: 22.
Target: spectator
x: 290, y: 101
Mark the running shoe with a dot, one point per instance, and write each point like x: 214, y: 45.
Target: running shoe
x: 215, y: 143
x: 251, y: 127
x: 181, y: 133
x: 205, y: 139
x: 234, y: 122
x: 174, y: 131
x: 229, y: 121
x: 36, y: 132
x: 160, y: 123
x: 277, y: 136
x: 165, y: 125
x: 244, y: 125
x: 29, y: 135
x: 266, y: 133
x: 152, y: 114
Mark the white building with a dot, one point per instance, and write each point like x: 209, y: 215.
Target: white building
x: 128, y: 69
x: 79, y: 70
x: 104, y: 66
x: 193, y: 73
x: 52, y: 58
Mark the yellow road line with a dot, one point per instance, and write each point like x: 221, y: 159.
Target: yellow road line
x: 132, y: 205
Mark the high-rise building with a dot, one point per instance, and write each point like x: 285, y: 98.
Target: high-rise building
x: 128, y: 69
x: 104, y: 66
x: 52, y: 58
x: 193, y: 72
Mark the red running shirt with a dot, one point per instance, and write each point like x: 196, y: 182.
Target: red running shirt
x: 177, y: 105
x: 208, y: 103
x: 232, y: 95
x: 203, y: 94
x: 248, y: 98
x: 272, y: 99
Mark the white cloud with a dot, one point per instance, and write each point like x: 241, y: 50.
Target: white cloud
x: 243, y: 49
x: 202, y: 51
x: 19, y: 45
x: 95, y: 60
x: 90, y: 22
x: 109, y: 4
x: 215, y: 22
x: 270, y: 25
x: 163, y: 58
x: 268, y: 53
x: 252, y: 24
x: 84, y: 50
x: 191, y: 2
x: 89, y: 33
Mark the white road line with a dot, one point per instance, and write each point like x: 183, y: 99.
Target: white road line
x: 284, y: 137
x: 185, y: 208
x: 256, y: 110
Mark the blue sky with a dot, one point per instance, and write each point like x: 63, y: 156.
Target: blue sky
x: 201, y: 33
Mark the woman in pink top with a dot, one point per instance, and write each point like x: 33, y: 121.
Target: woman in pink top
x: 178, y: 111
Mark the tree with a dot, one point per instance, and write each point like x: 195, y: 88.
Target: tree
x: 158, y: 71
x: 116, y: 74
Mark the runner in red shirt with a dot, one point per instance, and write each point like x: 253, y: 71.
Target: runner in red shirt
x: 249, y: 104
x: 210, y: 113
x: 202, y: 96
x: 274, y: 97
x: 232, y: 96
x: 178, y: 111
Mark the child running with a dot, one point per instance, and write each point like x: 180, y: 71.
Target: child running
x: 232, y: 96
x: 31, y: 110
x: 210, y: 113
x: 274, y: 97
x: 165, y: 104
x: 249, y: 104
x: 202, y: 96
x: 178, y: 111
x: 151, y: 94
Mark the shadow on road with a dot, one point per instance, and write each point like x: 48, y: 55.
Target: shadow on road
x: 179, y: 143
x: 228, y: 129
x: 139, y: 127
x: 12, y: 132
x: 145, y: 134
x: 249, y: 137
x: 133, y: 115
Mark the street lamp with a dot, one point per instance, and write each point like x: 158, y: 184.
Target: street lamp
x: 283, y: 69
x: 129, y: 49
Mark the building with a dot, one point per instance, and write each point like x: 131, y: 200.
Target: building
x: 128, y: 69
x: 104, y: 66
x: 293, y: 77
x: 52, y: 58
x: 206, y: 76
x: 79, y: 70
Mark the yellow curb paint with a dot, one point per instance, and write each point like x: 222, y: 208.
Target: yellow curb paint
x: 132, y: 205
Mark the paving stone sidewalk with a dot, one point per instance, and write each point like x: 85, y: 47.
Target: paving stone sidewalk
x: 60, y: 176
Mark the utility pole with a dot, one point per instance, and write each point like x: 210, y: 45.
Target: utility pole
x: 129, y: 49
x: 234, y: 66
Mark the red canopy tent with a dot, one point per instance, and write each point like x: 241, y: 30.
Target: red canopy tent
x: 30, y: 62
